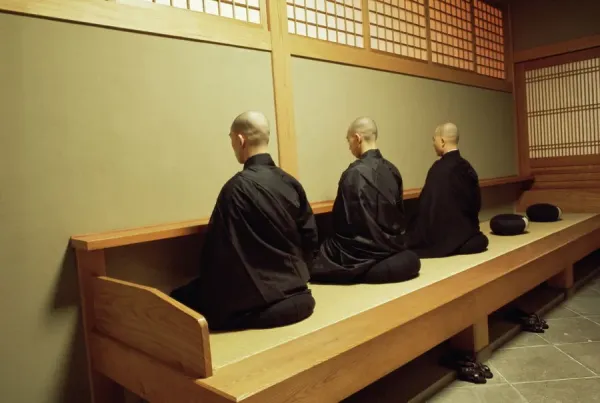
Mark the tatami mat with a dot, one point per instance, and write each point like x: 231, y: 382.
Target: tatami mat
x: 335, y: 303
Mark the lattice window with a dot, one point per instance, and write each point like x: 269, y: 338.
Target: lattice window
x: 451, y: 28
x: 563, y: 109
x: 337, y: 21
x: 489, y: 40
x: 244, y: 10
x: 399, y: 26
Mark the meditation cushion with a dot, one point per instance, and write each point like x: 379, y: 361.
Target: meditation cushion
x: 543, y: 212
x: 509, y: 224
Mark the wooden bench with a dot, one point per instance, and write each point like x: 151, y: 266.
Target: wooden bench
x: 141, y: 339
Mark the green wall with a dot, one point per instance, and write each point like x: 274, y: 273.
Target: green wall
x: 407, y: 110
x: 101, y: 129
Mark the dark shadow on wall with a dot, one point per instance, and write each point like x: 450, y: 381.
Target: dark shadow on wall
x: 73, y: 384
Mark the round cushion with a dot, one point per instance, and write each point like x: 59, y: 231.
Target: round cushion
x: 543, y: 212
x: 509, y: 224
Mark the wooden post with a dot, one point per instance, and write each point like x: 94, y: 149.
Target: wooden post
x: 281, y: 60
x: 474, y: 338
x: 563, y: 280
x: 92, y: 264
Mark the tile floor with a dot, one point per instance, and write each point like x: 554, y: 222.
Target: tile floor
x: 561, y: 365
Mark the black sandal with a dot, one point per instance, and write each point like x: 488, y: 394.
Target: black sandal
x: 540, y: 321
x: 530, y: 324
x: 467, y: 363
x: 471, y: 374
x: 469, y: 359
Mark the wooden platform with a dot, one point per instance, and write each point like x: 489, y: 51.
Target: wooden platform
x: 357, y: 334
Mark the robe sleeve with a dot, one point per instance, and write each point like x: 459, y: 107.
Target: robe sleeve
x: 466, y: 194
x: 350, y: 193
x: 308, y: 228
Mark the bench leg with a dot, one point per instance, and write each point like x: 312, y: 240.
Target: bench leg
x: 105, y: 390
x: 474, y: 338
x: 91, y: 264
x: 563, y: 280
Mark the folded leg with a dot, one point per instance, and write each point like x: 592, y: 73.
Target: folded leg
x: 399, y: 267
x: 291, y: 310
x: 476, y: 244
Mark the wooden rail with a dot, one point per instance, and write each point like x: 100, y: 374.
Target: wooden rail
x: 153, y: 233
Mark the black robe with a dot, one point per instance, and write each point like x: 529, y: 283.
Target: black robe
x: 260, y: 241
x: 368, y: 220
x: 448, y: 212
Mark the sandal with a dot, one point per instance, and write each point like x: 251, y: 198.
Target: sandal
x: 540, y: 321
x: 471, y: 374
x: 530, y: 324
x: 469, y: 359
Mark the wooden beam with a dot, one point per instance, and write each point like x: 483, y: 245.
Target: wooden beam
x: 559, y: 48
x: 91, y: 264
x: 322, y: 50
x: 593, y: 159
x: 281, y: 60
x: 145, y: 17
x: 516, y: 75
x: 568, y: 184
x: 572, y: 170
x: 117, y: 238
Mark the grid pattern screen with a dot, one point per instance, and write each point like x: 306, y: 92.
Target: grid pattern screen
x: 399, y: 27
x: 339, y: 21
x: 243, y: 10
x: 563, y: 109
x: 489, y: 40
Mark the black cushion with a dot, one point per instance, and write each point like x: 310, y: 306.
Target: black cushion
x: 543, y: 212
x: 509, y: 224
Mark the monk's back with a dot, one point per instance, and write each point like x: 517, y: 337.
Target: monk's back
x: 369, y: 208
x: 253, y: 254
x: 449, y: 205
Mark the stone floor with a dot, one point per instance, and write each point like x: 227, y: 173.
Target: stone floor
x: 561, y: 365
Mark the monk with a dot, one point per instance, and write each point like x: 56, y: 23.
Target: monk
x: 447, y: 222
x: 260, y: 240
x: 368, y: 244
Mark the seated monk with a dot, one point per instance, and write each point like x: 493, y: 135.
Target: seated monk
x: 368, y: 244
x: 260, y: 240
x: 447, y: 222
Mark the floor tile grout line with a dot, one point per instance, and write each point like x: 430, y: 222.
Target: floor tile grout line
x: 584, y: 366
x: 518, y: 393
x: 597, y: 321
x: 493, y: 367
x: 520, y: 347
x: 557, y: 380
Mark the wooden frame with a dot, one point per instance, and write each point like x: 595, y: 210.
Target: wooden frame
x: 318, y: 365
x: 320, y: 50
x: 526, y: 163
x: 139, y: 16
x: 185, y: 228
x: 557, y: 49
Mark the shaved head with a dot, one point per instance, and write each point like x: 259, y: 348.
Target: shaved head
x: 254, y: 126
x: 366, y: 127
x: 449, y: 132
